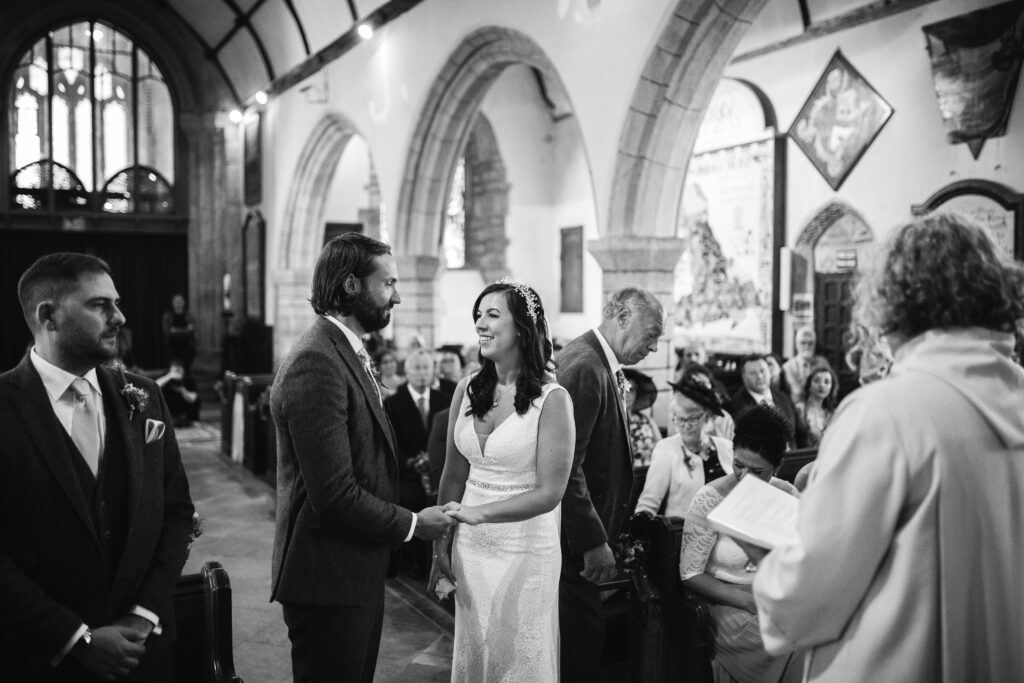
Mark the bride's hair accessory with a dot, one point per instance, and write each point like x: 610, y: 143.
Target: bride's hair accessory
x: 532, y: 302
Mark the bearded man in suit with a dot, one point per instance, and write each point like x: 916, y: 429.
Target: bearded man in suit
x: 95, y: 514
x: 412, y: 409
x: 597, y: 498
x: 337, y: 472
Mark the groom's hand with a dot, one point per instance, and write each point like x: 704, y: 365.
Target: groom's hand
x: 598, y: 564
x: 432, y: 523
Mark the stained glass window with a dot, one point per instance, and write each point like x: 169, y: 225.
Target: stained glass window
x: 455, y: 220
x: 92, y: 125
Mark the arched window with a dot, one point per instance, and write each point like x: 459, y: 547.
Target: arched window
x: 92, y: 125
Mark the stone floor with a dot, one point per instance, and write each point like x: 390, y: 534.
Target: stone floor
x: 237, y: 509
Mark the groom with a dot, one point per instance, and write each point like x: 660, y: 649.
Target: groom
x: 596, y: 501
x: 95, y: 513
x: 337, y: 472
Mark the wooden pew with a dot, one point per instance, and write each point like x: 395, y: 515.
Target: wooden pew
x: 203, y: 648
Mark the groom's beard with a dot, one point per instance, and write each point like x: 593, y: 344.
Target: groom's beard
x: 371, y: 317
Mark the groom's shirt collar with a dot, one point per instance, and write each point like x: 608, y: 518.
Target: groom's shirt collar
x: 609, y: 355
x: 353, y: 338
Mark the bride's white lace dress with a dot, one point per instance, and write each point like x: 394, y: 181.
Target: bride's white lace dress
x: 506, y: 604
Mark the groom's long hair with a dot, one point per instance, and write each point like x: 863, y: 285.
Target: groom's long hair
x: 534, y: 346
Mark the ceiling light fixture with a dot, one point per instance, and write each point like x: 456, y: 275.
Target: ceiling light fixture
x: 260, y: 97
x: 365, y: 31
x: 235, y: 116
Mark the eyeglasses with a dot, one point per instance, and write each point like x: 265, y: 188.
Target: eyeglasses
x: 681, y: 421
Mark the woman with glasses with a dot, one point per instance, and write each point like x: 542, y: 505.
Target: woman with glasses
x: 684, y: 462
x: 717, y: 569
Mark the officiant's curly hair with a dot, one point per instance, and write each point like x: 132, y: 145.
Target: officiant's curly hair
x: 534, y: 345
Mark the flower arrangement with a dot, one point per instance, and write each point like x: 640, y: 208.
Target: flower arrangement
x: 136, y: 397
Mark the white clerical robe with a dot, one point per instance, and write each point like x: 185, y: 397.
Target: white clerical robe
x: 910, y: 559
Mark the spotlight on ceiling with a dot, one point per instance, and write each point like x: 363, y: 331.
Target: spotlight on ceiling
x: 235, y: 116
x: 365, y: 31
x: 260, y: 97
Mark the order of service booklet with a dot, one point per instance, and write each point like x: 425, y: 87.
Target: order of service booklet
x: 756, y: 512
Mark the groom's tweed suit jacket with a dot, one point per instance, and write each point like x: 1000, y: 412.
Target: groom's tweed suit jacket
x: 337, y: 476
x: 596, y: 500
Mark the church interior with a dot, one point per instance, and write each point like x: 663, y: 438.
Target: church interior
x: 742, y: 159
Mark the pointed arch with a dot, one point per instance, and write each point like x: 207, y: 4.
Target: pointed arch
x: 445, y: 123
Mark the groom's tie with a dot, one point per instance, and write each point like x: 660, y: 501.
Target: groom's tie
x: 368, y: 367
x: 85, y: 424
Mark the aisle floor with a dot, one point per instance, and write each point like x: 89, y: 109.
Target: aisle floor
x: 237, y: 509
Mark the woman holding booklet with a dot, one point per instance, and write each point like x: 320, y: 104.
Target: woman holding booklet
x: 716, y: 568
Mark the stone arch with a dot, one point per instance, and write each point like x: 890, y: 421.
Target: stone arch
x: 302, y: 228
x: 445, y: 124
x: 664, y: 116
x: 487, y: 202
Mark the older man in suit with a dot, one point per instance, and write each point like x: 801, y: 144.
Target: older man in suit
x: 412, y: 409
x: 597, y: 497
x: 337, y: 473
x: 95, y: 514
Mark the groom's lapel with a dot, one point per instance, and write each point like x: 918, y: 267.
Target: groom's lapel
x: 132, y: 432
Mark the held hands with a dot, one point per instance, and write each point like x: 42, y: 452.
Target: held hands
x: 598, y: 564
x: 466, y: 514
x: 432, y: 522
x: 114, y: 652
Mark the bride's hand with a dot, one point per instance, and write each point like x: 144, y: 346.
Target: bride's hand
x: 466, y: 514
x: 440, y: 567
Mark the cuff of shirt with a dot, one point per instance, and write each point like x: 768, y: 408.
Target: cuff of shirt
x: 79, y: 632
x: 140, y: 611
x: 412, y: 529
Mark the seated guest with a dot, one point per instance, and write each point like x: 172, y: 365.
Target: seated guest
x: 813, y: 413
x: 412, y: 409
x: 387, y: 367
x: 777, y: 378
x: 757, y: 389
x: 643, y: 431
x: 797, y: 368
x: 437, y: 444
x: 717, y: 569
x: 716, y: 425
x: 684, y: 462
x: 179, y: 390
x: 692, y: 354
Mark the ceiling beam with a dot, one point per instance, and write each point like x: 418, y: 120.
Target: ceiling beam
x: 207, y: 49
x: 298, y: 24
x: 862, y: 15
x: 340, y: 45
x: 242, y: 20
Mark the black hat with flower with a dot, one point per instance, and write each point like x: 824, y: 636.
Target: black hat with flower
x: 697, y: 387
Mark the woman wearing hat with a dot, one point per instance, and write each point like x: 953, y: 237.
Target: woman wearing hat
x: 681, y: 464
x: 643, y: 430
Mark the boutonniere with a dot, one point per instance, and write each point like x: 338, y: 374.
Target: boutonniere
x: 137, y: 397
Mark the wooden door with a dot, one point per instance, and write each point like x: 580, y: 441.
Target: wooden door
x: 833, y: 306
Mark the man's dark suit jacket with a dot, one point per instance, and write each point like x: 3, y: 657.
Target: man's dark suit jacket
x: 742, y: 401
x: 337, y: 476
x: 596, y: 500
x: 410, y: 432
x: 58, y: 568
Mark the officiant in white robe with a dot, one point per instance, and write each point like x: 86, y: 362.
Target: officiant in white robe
x: 909, y: 558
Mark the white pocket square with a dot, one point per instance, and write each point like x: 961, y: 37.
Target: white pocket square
x: 154, y: 430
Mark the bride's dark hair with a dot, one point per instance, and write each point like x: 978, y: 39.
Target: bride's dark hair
x: 534, y: 346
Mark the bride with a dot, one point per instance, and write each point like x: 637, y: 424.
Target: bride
x: 510, y: 446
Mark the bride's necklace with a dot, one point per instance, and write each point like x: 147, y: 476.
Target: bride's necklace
x: 500, y: 393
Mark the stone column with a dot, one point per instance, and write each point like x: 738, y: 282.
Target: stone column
x: 212, y: 166
x: 648, y: 263
x: 418, y: 286
x: 292, y: 290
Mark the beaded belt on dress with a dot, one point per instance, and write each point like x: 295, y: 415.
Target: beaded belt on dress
x: 499, y: 487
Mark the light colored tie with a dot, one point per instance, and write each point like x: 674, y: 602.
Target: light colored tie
x: 85, y: 424
x: 424, y: 411
x: 368, y: 367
